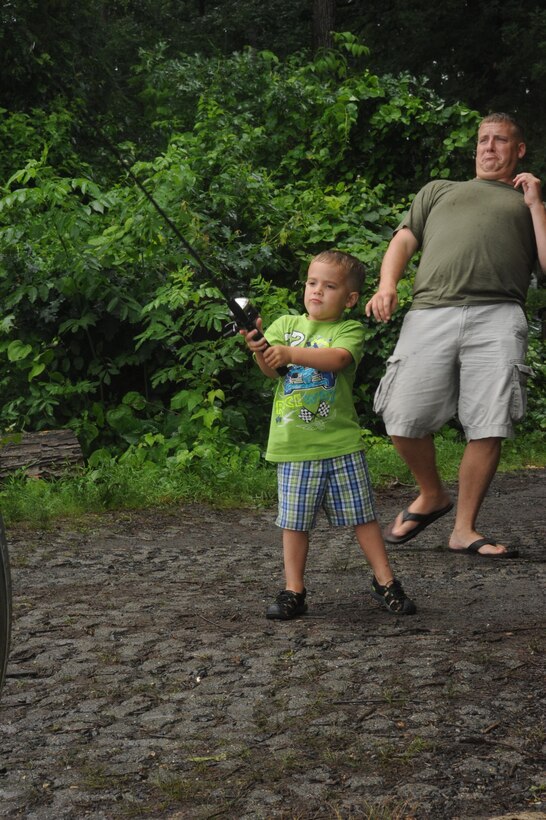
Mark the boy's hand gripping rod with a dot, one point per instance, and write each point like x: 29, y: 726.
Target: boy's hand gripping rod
x: 243, y: 312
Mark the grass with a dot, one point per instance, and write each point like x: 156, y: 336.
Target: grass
x: 386, y: 467
x: 126, y: 484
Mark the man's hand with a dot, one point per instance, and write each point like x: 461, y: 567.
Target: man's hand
x: 530, y: 185
x: 382, y: 304
x: 385, y: 301
x: 532, y: 195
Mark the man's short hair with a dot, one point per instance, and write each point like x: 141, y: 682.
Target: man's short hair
x: 354, y: 270
x: 500, y: 116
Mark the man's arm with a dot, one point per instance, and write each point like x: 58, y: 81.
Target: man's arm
x: 385, y: 300
x: 532, y: 194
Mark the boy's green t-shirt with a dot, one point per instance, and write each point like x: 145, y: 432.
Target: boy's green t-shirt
x: 313, y: 415
x: 477, y: 240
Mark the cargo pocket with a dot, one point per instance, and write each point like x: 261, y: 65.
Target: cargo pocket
x: 385, y: 385
x: 518, y: 403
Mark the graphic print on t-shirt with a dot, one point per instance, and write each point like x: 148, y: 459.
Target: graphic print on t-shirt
x: 308, y: 394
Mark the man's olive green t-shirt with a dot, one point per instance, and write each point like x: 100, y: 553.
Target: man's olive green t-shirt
x: 477, y: 240
x: 313, y: 415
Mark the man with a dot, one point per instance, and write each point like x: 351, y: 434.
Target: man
x: 463, y: 342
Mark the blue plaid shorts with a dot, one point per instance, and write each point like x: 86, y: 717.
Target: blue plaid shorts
x: 341, y: 486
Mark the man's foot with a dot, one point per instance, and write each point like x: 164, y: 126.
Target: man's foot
x: 392, y: 597
x: 486, y: 548
x: 398, y: 533
x: 287, y: 605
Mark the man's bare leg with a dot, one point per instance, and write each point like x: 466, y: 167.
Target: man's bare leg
x: 420, y: 456
x: 478, y: 467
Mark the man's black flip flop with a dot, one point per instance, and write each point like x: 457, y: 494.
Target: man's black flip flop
x: 473, y: 549
x: 423, y: 520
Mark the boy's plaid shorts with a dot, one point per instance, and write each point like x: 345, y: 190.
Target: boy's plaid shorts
x: 340, y: 485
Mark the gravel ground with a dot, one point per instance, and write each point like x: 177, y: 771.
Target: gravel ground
x: 144, y: 680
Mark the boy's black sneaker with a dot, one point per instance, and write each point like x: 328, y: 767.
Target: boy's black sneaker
x: 393, y: 597
x: 287, y: 605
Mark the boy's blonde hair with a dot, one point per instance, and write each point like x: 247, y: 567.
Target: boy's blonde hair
x: 354, y: 270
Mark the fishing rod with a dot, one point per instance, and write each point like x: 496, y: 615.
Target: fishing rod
x: 241, y: 309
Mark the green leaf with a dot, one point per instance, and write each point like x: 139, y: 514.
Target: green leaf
x: 18, y: 350
x: 35, y: 370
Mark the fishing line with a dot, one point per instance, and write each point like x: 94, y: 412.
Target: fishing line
x: 242, y: 310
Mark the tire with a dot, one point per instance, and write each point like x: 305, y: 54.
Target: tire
x: 5, y: 604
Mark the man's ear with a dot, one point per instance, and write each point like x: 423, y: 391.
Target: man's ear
x: 522, y: 149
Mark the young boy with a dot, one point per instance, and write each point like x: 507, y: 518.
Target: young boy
x: 315, y: 435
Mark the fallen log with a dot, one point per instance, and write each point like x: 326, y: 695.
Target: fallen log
x: 46, y: 454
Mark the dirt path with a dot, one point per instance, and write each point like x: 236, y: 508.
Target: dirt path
x: 144, y: 680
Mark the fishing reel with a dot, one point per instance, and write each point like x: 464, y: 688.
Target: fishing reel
x: 244, y: 318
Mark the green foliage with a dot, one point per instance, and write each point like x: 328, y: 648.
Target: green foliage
x: 491, y: 55
x: 221, y: 474
x: 330, y: 119
x: 133, y: 482
x: 535, y: 418
x: 261, y: 156
x: 108, y: 326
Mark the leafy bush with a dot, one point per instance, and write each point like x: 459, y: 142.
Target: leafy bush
x: 109, y: 326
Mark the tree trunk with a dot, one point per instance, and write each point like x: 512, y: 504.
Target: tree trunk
x: 324, y: 12
x: 48, y: 453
